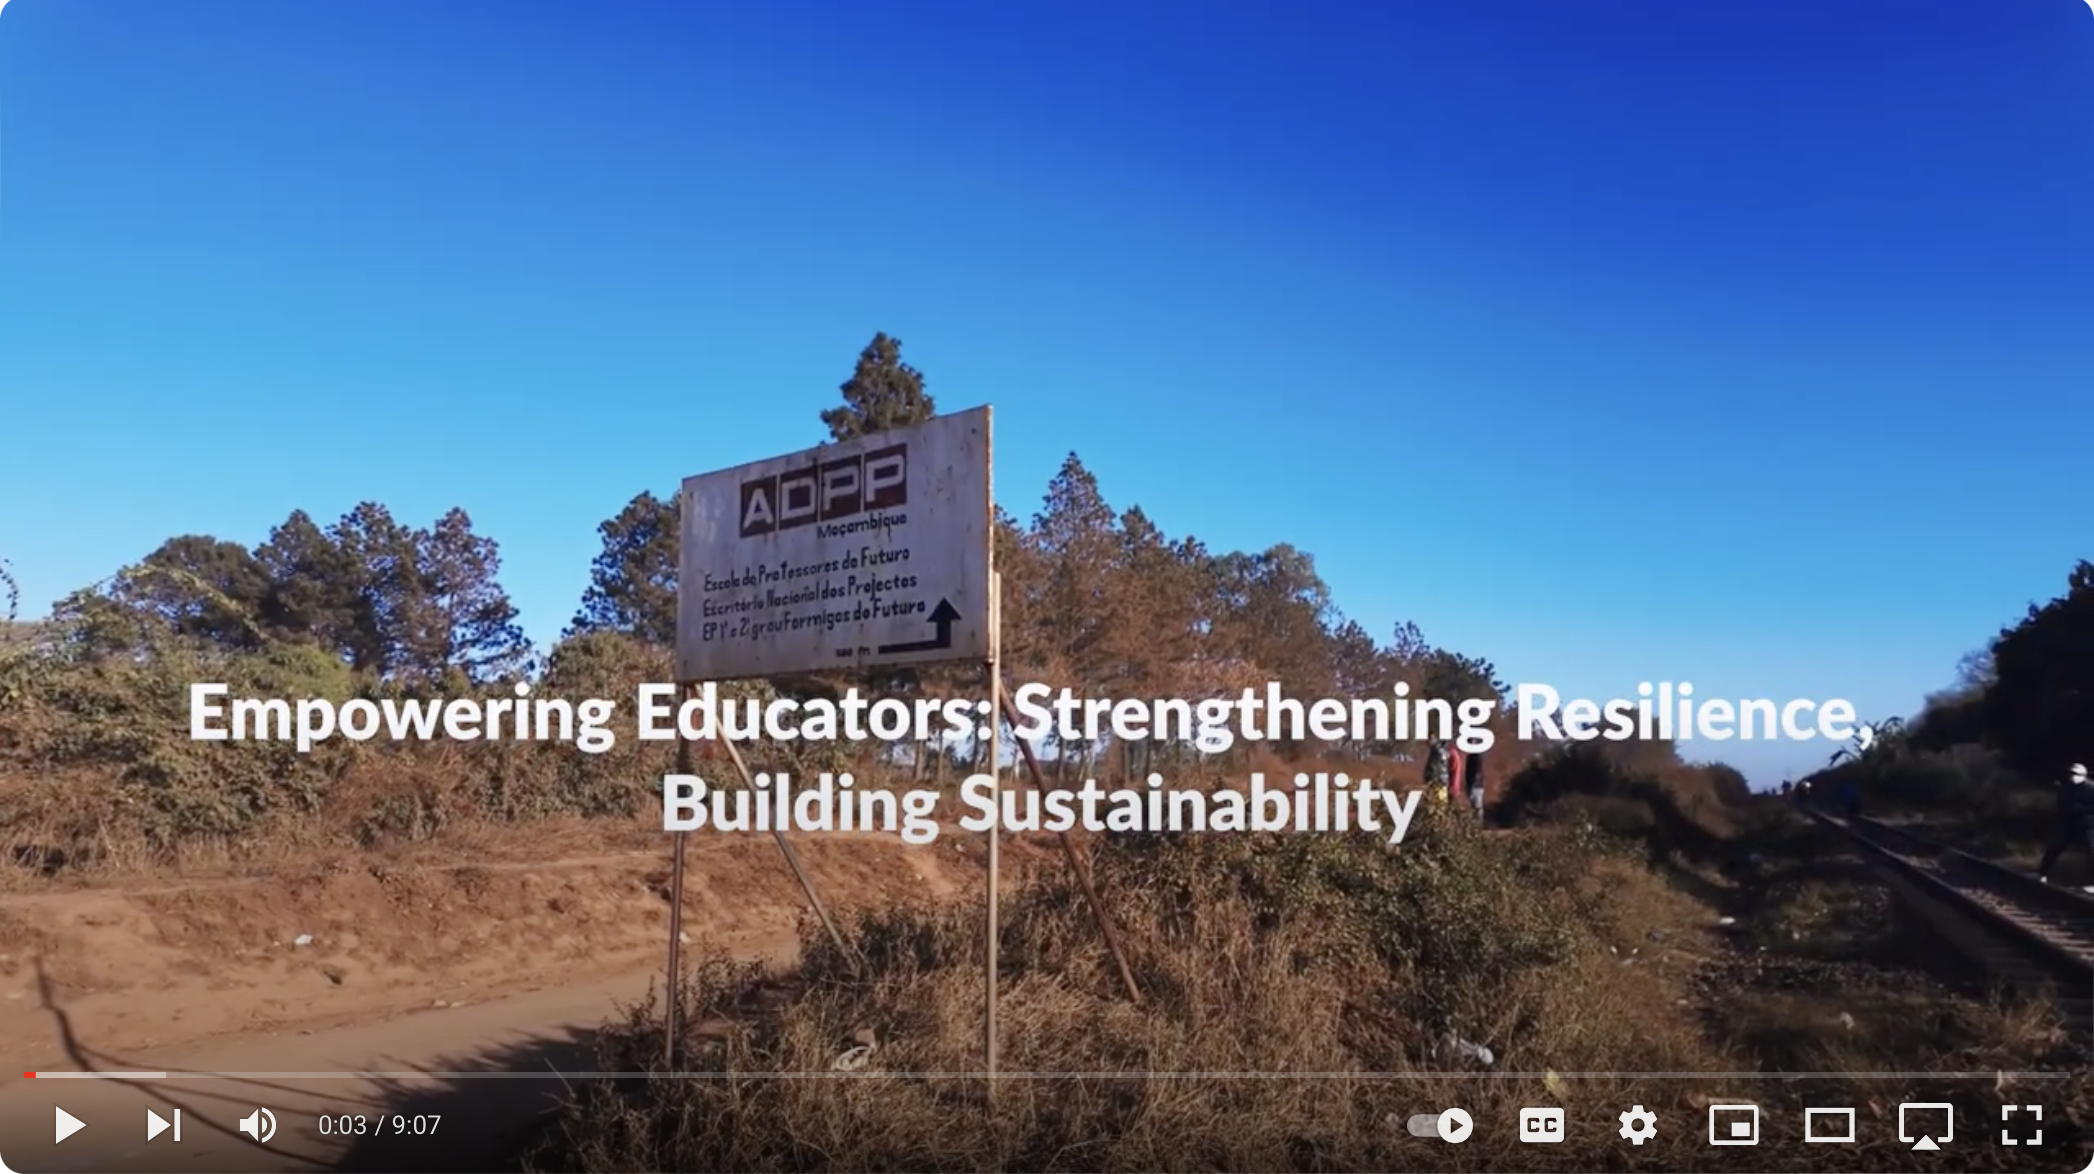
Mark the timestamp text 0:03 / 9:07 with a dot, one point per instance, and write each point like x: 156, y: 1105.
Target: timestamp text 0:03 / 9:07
x: 356, y: 1125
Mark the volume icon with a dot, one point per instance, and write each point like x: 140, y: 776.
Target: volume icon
x: 260, y: 1125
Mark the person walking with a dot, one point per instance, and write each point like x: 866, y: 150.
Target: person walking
x: 2075, y: 814
x: 1436, y: 774
x: 1475, y: 782
x: 1435, y: 763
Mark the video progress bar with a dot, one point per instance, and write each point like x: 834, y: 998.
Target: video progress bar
x: 899, y: 1074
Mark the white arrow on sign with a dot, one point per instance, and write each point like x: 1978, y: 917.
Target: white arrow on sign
x: 68, y: 1125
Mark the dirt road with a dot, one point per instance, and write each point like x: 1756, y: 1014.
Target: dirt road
x: 440, y: 986
x: 419, y: 1074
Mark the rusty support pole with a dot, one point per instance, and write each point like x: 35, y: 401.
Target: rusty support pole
x: 792, y: 860
x: 1078, y: 866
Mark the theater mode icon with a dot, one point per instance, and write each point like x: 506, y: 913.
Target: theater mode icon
x: 1541, y: 1125
x: 1828, y: 1125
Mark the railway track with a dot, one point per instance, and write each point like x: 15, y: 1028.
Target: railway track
x: 2051, y: 929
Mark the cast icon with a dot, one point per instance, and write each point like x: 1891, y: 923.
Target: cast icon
x: 1925, y: 1117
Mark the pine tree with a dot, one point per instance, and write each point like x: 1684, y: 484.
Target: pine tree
x: 881, y: 394
x: 632, y: 583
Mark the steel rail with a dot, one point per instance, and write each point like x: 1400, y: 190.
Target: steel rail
x: 2055, y: 926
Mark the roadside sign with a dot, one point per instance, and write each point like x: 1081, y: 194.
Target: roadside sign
x: 870, y: 553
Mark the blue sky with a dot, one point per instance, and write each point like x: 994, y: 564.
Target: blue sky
x: 1741, y: 344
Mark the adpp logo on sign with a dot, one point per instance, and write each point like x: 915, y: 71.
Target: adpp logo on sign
x: 1541, y: 1124
x: 826, y: 492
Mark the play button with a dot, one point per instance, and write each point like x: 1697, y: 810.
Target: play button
x: 155, y: 1124
x: 68, y: 1125
x: 1455, y: 1126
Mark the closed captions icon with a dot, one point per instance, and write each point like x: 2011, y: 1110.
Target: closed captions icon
x: 1542, y: 1125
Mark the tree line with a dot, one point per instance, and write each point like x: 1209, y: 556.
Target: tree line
x: 1098, y: 598
x: 395, y: 602
x: 2027, y: 695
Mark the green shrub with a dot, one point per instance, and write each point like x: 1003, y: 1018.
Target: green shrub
x: 128, y: 718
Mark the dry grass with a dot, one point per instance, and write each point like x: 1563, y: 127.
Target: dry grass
x: 1299, y: 1000
x: 80, y: 828
x: 1311, y: 985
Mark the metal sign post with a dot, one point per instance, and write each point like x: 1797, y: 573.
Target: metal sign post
x: 675, y: 995
x: 992, y: 927
x: 675, y: 952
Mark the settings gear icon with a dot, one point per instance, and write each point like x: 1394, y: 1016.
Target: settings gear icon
x: 1639, y: 1124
